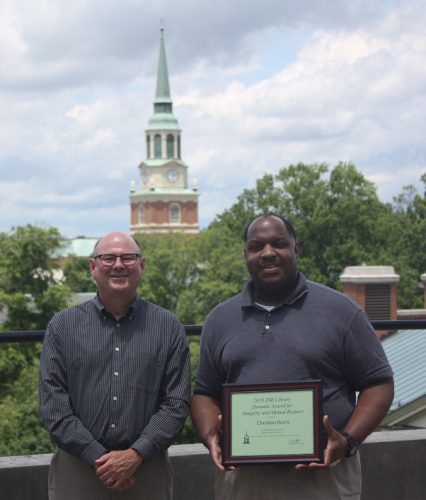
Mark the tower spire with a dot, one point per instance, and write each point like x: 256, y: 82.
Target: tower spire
x: 163, y: 117
x: 162, y: 94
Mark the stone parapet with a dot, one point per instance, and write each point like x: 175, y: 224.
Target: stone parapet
x: 393, y: 464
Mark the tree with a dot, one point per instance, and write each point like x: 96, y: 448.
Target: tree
x: 28, y: 289
x: 171, y: 267
x: 21, y: 431
x: 265, y: 197
x: 77, y: 276
x: 222, y: 273
x: 346, y: 229
x: 30, y: 296
x: 407, y: 243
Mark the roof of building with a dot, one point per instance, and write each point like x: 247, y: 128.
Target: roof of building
x: 161, y: 162
x: 406, y: 351
x: 77, y: 247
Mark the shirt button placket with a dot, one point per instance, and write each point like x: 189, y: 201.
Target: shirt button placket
x: 267, y: 321
x: 116, y: 375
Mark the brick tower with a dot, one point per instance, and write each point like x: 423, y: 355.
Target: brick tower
x: 163, y: 202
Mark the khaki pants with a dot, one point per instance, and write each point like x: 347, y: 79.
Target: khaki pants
x: 71, y: 479
x: 283, y: 482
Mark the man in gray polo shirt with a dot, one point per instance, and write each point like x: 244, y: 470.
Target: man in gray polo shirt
x: 283, y: 327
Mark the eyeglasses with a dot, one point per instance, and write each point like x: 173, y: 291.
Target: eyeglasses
x: 109, y: 259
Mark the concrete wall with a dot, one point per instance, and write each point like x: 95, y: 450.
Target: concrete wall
x: 394, y: 465
x: 394, y: 468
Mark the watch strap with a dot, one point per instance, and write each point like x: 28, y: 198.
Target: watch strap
x: 353, y: 444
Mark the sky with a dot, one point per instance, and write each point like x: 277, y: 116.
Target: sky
x: 256, y: 86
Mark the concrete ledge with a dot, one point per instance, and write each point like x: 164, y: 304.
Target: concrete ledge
x: 25, y: 477
x: 394, y: 465
x: 193, y: 471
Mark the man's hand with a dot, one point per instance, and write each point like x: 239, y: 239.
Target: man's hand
x: 335, y: 451
x: 116, y: 469
x: 207, y: 417
x: 372, y: 405
x: 213, y: 443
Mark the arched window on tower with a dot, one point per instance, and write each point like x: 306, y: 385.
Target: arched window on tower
x: 170, y: 146
x: 148, y: 151
x: 178, y: 147
x: 157, y: 146
x: 174, y: 213
x: 140, y: 213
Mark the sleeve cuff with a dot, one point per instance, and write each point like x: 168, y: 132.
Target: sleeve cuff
x: 92, y: 453
x: 145, y: 448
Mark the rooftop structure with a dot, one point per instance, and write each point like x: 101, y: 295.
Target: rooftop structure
x: 374, y: 288
x: 406, y: 351
x: 76, y: 247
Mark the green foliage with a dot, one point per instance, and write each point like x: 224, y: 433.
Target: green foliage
x: 30, y: 296
x: 20, y: 430
x: 264, y: 198
x: 24, y: 258
x: 27, y: 286
x: 171, y: 267
x: 189, y: 274
x: 77, y: 276
x: 346, y: 227
x: 222, y: 272
x: 189, y: 434
x: 408, y: 243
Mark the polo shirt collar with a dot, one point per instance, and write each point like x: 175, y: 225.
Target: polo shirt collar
x: 299, y: 291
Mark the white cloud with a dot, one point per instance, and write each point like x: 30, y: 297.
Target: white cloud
x: 256, y: 86
x: 33, y: 193
x: 89, y: 115
x: 102, y: 137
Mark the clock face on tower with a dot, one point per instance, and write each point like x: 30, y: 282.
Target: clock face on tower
x: 173, y: 175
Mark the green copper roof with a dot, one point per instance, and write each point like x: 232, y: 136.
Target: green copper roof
x: 160, y: 162
x: 163, y: 117
x: 162, y: 93
x: 163, y: 121
x: 77, y: 247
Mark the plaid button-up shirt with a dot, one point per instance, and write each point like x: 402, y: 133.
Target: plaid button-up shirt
x: 110, y: 384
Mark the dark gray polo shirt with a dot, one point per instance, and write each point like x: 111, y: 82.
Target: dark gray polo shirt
x: 316, y: 333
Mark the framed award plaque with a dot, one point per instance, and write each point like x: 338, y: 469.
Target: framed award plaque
x: 267, y: 423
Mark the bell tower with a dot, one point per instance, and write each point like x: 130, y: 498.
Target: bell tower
x: 163, y: 201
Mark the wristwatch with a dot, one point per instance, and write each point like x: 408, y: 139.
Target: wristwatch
x: 353, y: 445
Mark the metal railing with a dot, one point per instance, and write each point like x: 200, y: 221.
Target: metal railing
x: 399, y: 324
